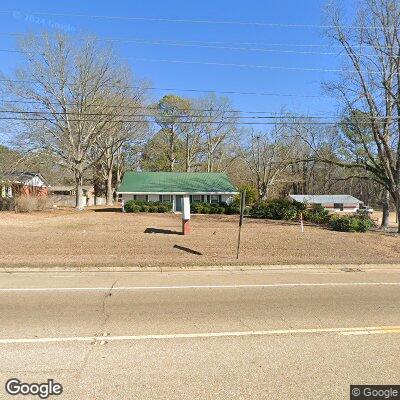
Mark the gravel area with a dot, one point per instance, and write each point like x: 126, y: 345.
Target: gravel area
x: 107, y: 237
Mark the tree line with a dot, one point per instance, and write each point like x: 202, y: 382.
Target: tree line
x: 80, y: 106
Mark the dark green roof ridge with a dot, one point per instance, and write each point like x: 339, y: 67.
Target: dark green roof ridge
x: 175, y: 182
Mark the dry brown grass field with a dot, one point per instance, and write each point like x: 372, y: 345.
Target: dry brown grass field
x: 107, y: 237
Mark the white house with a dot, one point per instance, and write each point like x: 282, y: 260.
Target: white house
x: 331, y: 202
x: 207, y: 187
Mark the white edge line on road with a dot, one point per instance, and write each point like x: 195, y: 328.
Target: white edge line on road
x: 349, y: 331
x: 127, y: 288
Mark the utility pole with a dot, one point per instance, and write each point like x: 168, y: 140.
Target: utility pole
x: 242, y: 205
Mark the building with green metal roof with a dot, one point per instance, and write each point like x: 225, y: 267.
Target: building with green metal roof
x: 208, y: 187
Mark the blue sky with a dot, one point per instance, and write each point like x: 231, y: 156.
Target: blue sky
x: 17, y: 17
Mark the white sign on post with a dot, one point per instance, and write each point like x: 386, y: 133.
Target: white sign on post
x: 186, y: 208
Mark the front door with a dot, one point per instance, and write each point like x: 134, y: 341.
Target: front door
x: 178, y: 202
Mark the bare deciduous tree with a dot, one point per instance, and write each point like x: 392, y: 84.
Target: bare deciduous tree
x: 171, y: 115
x: 267, y: 156
x: 372, y: 85
x: 217, y: 124
x: 130, y: 128
x: 72, y: 92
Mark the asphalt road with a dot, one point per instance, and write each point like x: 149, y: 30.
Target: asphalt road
x: 201, y: 335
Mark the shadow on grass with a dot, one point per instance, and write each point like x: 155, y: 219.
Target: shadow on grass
x: 109, y: 209
x: 197, y: 253
x: 162, y: 231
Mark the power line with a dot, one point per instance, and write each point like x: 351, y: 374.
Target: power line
x: 197, y: 21
x: 178, y: 122
x: 128, y: 40
x: 211, y: 46
x: 282, y: 116
x: 230, y: 92
x: 262, y: 66
x: 142, y: 107
x: 270, y: 67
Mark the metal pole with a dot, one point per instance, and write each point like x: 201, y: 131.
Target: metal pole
x: 242, y: 205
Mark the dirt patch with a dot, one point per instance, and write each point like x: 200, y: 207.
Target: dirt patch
x: 89, y: 238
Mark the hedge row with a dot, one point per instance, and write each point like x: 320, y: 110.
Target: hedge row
x: 283, y: 209
x: 208, y: 208
x: 351, y: 223
x: 134, y: 206
x: 278, y: 209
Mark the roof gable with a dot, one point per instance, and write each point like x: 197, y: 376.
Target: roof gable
x: 26, y: 178
x: 175, y: 182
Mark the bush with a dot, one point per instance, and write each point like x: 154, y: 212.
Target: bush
x: 317, y: 214
x: 200, y: 208
x: 208, y: 208
x: 28, y: 204
x: 134, y: 206
x: 153, y: 208
x: 162, y: 208
x: 281, y: 209
x: 351, y: 223
x: 144, y: 207
x: 251, y: 195
x: 131, y: 207
x: 7, y: 204
x: 231, y: 209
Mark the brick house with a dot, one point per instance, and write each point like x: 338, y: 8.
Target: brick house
x: 23, y: 184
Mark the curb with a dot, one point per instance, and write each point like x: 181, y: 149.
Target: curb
x: 210, y: 268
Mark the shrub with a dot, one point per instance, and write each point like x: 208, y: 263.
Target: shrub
x: 317, y: 214
x: 25, y: 204
x: 200, y: 208
x: 217, y: 209
x: 162, y: 208
x: 231, y: 209
x: 131, y: 207
x: 144, y: 206
x: 7, y: 204
x: 351, y: 223
x: 281, y: 209
x: 365, y: 223
x: 251, y: 195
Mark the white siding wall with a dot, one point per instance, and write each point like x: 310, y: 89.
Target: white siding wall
x: 225, y: 198
x: 127, y: 197
x: 36, y: 181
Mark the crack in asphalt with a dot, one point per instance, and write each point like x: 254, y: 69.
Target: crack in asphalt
x: 105, y: 319
x: 103, y: 305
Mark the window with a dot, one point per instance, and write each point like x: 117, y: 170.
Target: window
x: 338, y: 206
x: 214, y: 199
x: 141, y: 197
x: 196, y: 198
x: 166, y: 198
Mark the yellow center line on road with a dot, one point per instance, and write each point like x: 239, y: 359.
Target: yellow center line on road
x: 198, y: 335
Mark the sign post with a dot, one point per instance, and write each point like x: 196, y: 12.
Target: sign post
x: 242, y: 205
x: 185, y: 215
x: 301, y: 223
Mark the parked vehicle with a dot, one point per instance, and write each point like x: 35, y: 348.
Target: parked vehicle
x: 365, y: 210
